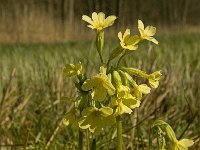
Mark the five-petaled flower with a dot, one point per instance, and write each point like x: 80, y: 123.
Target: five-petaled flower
x: 127, y: 41
x: 100, y: 86
x: 147, y: 33
x: 96, y: 119
x: 98, y: 21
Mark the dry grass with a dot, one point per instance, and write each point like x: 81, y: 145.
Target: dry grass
x: 32, y: 87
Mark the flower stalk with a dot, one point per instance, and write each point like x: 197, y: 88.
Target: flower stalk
x: 119, y: 133
x: 100, y: 43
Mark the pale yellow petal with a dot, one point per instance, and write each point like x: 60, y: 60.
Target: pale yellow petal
x: 87, y: 19
x: 186, y: 142
x: 141, y: 27
x: 132, y: 40
x: 106, y: 111
x: 89, y: 84
x: 151, y: 39
x: 126, y: 33
x: 121, y: 109
x: 101, y: 17
x: 109, y: 20
x: 131, y: 47
x: 95, y: 18
x: 91, y: 26
x: 153, y: 83
x: 144, y: 89
x: 120, y: 36
x: 150, y: 31
x: 131, y: 102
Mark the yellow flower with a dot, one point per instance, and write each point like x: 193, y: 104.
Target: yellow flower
x: 154, y: 79
x: 124, y: 101
x: 182, y: 144
x: 141, y: 89
x: 98, y: 21
x: 96, y: 119
x: 127, y: 41
x: 72, y: 70
x: 100, y: 86
x: 147, y: 33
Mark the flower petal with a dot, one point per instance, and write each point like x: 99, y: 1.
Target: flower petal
x: 99, y: 94
x: 131, y: 47
x: 132, y: 40
x: 89, y: 84
x: 101, y: 17
x: 151, y: 39
x: 109, y: 20
x: 141, y: 27
x: 121, y: 109
x: 120, y: 36
x: 106, y: 111
x: 186, y: 142
x: 91, y: 26
x: 150, y: 31
x: 95, y: 18
x: 153, y: 83
x: 126, y: 33
x: 144, y: 89
x: 87, y: 19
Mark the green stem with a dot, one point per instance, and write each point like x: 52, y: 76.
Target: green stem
x: 120, y: 59
x: 119, y: 133
x: 101, y: 58
x: 80, y: 140
x: 100, y: 43
x: 108, y: 65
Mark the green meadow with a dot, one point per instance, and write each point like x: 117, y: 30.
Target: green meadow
x: 33, y: 92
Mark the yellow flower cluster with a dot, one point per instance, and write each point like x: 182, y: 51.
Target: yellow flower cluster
x: 113, y: 91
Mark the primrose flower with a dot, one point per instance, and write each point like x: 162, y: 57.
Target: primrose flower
x: 147, y: 33
x: 100, y: 86
x: 182, y: 144
x: 124, y: 101
x: 96, y: 119
x: 154, y: 79
x: 98, y: 21
x: 141, y: 89
x: 127, y: 41
x: 72, y: 70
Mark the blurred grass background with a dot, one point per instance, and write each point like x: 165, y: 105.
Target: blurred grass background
x: 39, y: 37
x: 32, y: 87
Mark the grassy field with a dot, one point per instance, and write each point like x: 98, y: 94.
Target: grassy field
x: 32, y: 87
